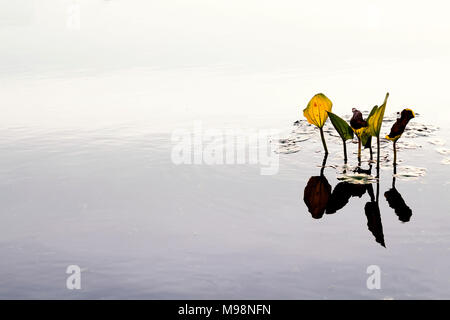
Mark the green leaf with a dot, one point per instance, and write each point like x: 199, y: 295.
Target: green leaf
x: 366, y: 139
x: 375, y: 119
x: 341, y: 126
x: 372, y: 112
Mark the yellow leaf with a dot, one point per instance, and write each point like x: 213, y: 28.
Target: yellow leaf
x: 394, y: 138
x: 360, y: 132
x: 376, y: 119
x: 316, y: 111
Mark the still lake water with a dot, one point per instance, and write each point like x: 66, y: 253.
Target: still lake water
x: 86, y: 175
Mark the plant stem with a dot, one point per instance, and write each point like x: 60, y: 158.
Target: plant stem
x: 345, y: 151
x: 323, y: 140
x: 393, y: 178
x: 378, y: 191
x: 395, y: 153
x: 359, y: 151
x: 324, y: 162
x: 378, y: 152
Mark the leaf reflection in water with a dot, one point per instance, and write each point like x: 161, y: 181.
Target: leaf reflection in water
x: 320, y: 198
x: 396, y: 202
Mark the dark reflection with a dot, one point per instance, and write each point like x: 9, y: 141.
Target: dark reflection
x: 319, y: 199
x: 372, y: 210
x: 365, y: 171
x: 317, y: 193
x: 342, y: 193
x: 396, y: 202
x: 374, y: 224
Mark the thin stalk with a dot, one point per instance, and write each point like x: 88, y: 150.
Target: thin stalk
x: 395, y: 153
x: 324, y: 162
x: 393, y: 178
x: 378, y: 152
x: 370, y: 192
x: 378, y: 190
x: 359, y: 151
x: 345, y: 151
x: 323, y: 140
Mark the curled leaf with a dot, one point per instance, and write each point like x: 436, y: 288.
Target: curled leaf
x: 366, y: 138
x: 357, y: 120
x: 316, y: 111
x: 400, y: 124
x: 358, y: 124
x: 367, y: 142
x: 341, y: 126
x: 372, y: 112
x: 375, y: 118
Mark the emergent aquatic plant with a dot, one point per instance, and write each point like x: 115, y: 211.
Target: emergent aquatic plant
x: 316, y: 113
x: 398, y: 128
x: 344, y: 130
x: 359, y: 126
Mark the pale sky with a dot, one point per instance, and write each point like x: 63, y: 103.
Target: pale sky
x: 98, y: 60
